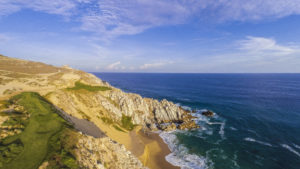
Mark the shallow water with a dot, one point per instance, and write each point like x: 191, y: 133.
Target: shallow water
x: 257, y: 125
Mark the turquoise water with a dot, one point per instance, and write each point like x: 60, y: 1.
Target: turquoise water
x: 257, y: 125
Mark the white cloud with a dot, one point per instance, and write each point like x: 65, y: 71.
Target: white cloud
x: 114, y: 66
x: 112, y: 18
x: 264, y: 45
x: 242, y: 10
x: 119, y: 17
x: 60, y: 7
x: 154, y: 65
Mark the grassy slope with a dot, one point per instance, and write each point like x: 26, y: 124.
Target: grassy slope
x: 43, y: 125
x: 79, y: 86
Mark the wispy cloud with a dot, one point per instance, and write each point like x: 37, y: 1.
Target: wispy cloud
x: 112, y: 18
x: 113, y: 66
x: 153, y: 65
x: 60, y: 7
x: 264, y: 45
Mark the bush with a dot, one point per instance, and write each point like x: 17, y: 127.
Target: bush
x: 126, y: 122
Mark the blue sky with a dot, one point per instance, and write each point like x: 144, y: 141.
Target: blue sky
x: 199, y: 36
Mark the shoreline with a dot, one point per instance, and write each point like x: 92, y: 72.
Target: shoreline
x: 150, y: 148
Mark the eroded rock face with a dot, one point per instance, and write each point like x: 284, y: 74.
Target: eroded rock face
x: 100, y: 153
x: 115, y: 103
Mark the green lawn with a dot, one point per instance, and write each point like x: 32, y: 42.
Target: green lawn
x: 79, y: 86
x: 35, y: 144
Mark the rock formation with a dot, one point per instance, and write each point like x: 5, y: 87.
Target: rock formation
x: 58, y: 86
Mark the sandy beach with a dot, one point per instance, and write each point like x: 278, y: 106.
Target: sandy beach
x: 147, y: 146
x: 155, y: 149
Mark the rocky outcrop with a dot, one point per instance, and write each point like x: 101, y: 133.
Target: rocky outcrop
x: 100, y: 153
x: 208, y: 113
x: 53, y: 83
x: 115, y: 103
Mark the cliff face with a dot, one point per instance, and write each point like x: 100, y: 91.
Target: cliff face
x: 84, y: 96
x: 115, y: 103
x: 100, y: 153
x: 54, y: 81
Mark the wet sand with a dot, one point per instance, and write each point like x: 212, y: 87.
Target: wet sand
x: 150, y: 149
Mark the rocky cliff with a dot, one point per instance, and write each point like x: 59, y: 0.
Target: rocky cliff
x: 84, y: 96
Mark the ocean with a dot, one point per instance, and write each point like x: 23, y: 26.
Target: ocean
x: 257, y: 121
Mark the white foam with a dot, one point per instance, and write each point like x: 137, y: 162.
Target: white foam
x: 234, y: 161
x: 222, y: 126
x: 295, y: 145
x: 186, y: 108
x: 180, y: 156
x: 233, y: 129
x: 222, y: 132
x: 257, y: 141
x: 290, y: 149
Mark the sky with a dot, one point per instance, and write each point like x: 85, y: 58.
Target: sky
x: 171, y: 36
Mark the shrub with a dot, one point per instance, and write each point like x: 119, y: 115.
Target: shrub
x: 126, y: 122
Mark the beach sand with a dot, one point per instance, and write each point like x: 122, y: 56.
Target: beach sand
x: 147, y: 146
x: 155, y: 150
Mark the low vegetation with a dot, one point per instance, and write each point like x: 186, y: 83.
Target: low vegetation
x: 118, y: 128
x: 4, y: 104
x: 126, y: 122
x: 43, y: 138
x: 80, y: 86
x: 107, y: 120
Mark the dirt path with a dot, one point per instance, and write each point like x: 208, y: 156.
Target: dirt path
x: 82, y: 125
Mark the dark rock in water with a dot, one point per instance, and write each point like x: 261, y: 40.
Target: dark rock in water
x: 208, y: 113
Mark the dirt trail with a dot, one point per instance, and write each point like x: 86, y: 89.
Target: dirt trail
x: 82, y: 125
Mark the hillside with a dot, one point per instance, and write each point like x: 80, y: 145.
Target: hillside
x: 82, y: 100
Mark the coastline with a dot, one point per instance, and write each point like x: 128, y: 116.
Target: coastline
x: 148, y: 146
x: 155, y: 149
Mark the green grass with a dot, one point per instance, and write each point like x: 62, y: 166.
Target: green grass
x: 118, y: 128
x: 79, y: 86
x: 4, y: 104
x: 30, y: 148
x: 126, y: 123
x: 107, y: 120
x: 15, y: 120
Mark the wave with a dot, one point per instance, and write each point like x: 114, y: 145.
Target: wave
x: 257, y: 141
x: 295, y: 145
x: 233, y: 129
x: 290, y: 149
x: 180, y: 156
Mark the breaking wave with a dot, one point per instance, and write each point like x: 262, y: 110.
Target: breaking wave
x: 257, y: 141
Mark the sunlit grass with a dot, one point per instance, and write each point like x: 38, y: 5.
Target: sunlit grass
x: 79, y: 86
x: 41, y: 140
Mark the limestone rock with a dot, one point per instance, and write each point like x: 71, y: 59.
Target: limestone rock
x: 100, y: 153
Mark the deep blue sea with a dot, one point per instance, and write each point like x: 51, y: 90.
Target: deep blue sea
x: 257, y: 122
